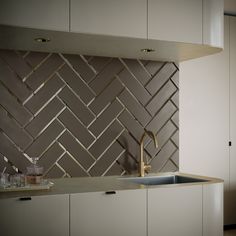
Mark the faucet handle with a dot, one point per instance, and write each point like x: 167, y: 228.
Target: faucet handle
x: 147, y: 168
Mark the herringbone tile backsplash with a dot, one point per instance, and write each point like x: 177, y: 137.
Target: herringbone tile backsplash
x: 84, y: 115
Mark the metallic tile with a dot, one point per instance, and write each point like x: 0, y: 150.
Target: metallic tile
x: 76, y: 150
x: 163, y: 157
x: 160, y: 78
x: 161, y: 98
x: 16, y: 62
x: 10, y: 103
x: 162, y: 117
x: 135, y: 107
x: 108, y: 95
x: 76, y: 128
x: 50, y: 156
x: 42, y: 143
x: 71, y: 167
x: 138, y: 70
x: 106, y: 160
x: 131, y: 124
x: 134, y: 87
x: 8, y: 149
x: 44, y: 94
x: 165, y: 134
x: 80, y: 66
x: 106, y: 76
x: 35, y: 58
x: 13, y: 83
x: 77, y: 106
x: 103, y: 121
x: 45, y: 117
x: 93, y: 110
x: 16, y: 133
x: 106, y: 139
x: 76, y: 83
x: 98, y: 63
x: 44, y: 71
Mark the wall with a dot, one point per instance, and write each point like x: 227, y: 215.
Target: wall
x: 84, y: 115
x: 205, y: 118
x: 204, y: 114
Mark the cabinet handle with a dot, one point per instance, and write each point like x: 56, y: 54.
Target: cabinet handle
x: 25, y: 198
x: 110, y: 192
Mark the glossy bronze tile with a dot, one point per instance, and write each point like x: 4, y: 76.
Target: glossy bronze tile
x: 161, y: 77
x: 84, y: 115
x: 80, y: 66
x: 44, y: 94
x: 76, y: 84
x: 114, y: 151
x: 16, y: 62
x: 76, y: 150
x: 108, y: 95
x: 106, y: 118
x: 140, y: 93
x: 16, y: 133
x: 9, y: 150
x: 135, y: 107
x: 13, y: 82
x: 138, y: 70
x: 106, y: 139
x: 82, y: 112
x: 106, y: 76
x: 44, y: 71
x: 10, y: 103
x: 76, y: 128
x: 49, y: 135
x: 71, y: 167
x: 46, y: 116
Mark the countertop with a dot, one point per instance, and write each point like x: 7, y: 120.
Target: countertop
x: 102, y: 184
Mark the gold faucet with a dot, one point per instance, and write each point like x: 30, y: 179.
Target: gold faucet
x: 142, y: 166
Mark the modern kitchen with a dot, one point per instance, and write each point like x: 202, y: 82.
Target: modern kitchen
x: 118, y: 117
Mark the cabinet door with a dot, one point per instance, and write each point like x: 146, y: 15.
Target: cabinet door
x: 232, y: 197
x: 175, y: 211
x: 172, y: 20
x: 213, y: 209
x: 44, y: 215
x: 50, y: 14
x: 98, y: 213
x: 213, y: 23
x: 126, y: 18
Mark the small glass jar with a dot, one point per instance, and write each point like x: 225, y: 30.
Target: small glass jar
x: 17, y: 180
x: 4, y: 180
x: 34, y: 173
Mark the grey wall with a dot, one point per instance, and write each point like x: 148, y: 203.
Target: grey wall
x: 84, y: 115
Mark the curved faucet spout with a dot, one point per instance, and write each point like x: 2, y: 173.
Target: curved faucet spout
x: 142, y: 166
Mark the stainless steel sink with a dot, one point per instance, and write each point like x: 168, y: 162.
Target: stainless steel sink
x: 160, y: 180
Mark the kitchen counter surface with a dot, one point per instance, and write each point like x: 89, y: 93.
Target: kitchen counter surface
x: 100, y: 184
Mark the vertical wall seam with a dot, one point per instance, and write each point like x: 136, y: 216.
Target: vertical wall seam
x: 147, y: 19
x: 229, y: 41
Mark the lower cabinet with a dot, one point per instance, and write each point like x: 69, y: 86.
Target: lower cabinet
x: 175, y: 211
x: 190, y: 210
x: 37, y: 216
x: 113, y: 213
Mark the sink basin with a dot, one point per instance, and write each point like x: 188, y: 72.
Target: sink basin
x: 159, y: 180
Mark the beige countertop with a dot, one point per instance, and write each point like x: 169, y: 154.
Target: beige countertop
x: 100, y: 184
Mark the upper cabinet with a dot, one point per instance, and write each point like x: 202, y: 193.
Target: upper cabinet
x: 213, y: 23
x: 50, y: 14
x: 172, y: 30
x: 179, y: 21
x: 126, y: 18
